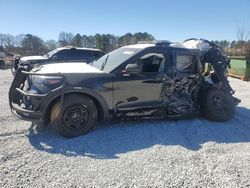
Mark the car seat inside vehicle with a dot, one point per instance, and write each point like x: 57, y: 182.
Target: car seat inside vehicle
x: 152, y: 63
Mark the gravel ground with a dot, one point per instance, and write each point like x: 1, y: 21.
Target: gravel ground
x: 184, y: 153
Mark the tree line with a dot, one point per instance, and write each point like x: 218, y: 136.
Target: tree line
x: 235, y: 48
x: 33, y: 45
x: 28, y: 44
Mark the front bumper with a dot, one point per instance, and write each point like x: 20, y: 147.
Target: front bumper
x: 17, y: 96
x: 26, y: 114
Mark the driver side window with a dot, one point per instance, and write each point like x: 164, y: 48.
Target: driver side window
x: 152, y: 62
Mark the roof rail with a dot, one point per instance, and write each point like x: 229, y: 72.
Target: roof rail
x: 146, y: 42
x: 156, y: 42
x: 162, y: 43
x: 70, y: 47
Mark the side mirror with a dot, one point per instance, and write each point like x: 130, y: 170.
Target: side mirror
x: 132, y: 68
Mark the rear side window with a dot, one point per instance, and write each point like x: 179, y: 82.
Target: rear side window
x: 86, y: 55
x: 75, y: 55
x: 83, y: 55
x: 186, y: 63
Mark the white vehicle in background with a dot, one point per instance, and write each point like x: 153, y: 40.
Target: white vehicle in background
x: 62, y: 55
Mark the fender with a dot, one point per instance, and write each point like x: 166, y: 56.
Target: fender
x: 53, y: 97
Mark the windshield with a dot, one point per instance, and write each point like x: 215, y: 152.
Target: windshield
x: 110, y: 61
x: 50, y: 54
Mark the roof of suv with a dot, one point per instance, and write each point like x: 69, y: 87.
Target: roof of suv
x: 166, y: 45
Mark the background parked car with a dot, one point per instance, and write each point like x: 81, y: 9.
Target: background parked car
x: 64, y: 54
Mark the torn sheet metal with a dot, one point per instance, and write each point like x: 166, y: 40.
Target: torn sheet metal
x: 180, y: 95
x: 214, y: 55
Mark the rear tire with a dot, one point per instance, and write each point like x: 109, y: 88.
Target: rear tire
x: 217, y: 105
x: 76, y: 116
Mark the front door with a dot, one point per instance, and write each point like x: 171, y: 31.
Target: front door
x: 140, y: 89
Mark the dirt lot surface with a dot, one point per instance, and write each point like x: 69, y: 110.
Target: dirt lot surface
x: 184, y: 153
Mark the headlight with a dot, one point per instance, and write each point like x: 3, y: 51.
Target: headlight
x: 45, y: 80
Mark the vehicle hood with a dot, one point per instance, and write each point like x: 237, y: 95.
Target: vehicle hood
x: 28, y: 58
x: 66, y: 68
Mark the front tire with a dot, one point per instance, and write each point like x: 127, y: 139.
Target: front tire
x: 76, y: 116
x: 217, y: 105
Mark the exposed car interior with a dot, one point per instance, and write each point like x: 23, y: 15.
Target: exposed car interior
x: 152, y: 62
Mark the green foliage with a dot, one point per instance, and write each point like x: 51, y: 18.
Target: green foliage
x: 33, y: 45
x: 76, y: 40
x: 129, y: 38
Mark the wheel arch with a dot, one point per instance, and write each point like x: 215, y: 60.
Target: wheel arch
x: 99, y: 101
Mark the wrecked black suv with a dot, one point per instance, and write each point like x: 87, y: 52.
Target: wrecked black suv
x: 159, y: 79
